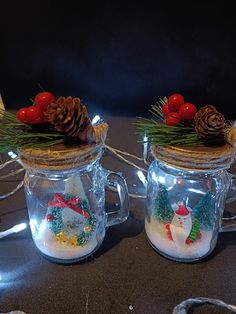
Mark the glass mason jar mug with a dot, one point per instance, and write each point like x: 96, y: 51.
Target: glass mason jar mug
x: 186, y: 194
x: 65, y: 195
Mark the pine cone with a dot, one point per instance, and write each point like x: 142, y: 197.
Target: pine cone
x: 209, y: 123
x: 70, y: 116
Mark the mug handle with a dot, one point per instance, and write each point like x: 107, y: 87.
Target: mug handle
x: 229, y: 224
x: 115, y: 181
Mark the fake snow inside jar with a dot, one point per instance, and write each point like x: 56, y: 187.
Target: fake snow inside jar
x: 186, y: 194
x: 65, y: 194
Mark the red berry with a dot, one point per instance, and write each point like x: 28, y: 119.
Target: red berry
x: 187, y: 111
x: 21, y: 115
x: 173, y: 119
x: 43, y: 99
x: 34, y: 115
x: 50, y: 217
x: 165, y: 110
x: 175, y: 101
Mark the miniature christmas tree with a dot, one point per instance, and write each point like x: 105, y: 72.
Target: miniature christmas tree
x: 163, y: 210
x: 204, y: 211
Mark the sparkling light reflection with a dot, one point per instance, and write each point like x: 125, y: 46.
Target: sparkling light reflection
x: 196, y: 191
x: 154, y: 177
x: 142, y: 178
x: 33, y: 225
x: 16, y: 276
x: 95, y: 119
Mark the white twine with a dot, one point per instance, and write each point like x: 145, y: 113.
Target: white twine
x: 123, y: 153
x: 118, y: 153
x: 12, y: 173
x: 6, y: 163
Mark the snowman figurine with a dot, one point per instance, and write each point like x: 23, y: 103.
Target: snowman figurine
x: 180, y: 227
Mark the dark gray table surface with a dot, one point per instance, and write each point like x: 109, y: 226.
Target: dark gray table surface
x: 124, y: 276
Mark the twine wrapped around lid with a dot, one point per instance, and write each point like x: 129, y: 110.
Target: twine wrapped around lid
x: 67, y: 157
x: 60, y: 157
x: 200, y: 158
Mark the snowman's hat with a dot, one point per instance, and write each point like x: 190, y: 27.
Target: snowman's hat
x: 182, y: 210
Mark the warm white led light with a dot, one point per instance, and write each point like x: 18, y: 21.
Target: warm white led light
x: 16, y: 228
x: 20, y: 227
x: 12, y: 154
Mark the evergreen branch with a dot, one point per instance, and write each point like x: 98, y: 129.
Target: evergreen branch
x: 162, y: 134
x: 16, y: 135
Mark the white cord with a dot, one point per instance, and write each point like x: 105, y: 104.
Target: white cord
x: 184, y: 306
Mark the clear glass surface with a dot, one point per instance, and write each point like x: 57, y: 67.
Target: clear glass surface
x: 184, y: 210
x: 67, y: 210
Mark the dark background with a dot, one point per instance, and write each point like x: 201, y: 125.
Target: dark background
x: 119, y: 57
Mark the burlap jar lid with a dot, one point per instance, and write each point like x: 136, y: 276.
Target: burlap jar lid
x: 60, y: 157
x: 201, y: 158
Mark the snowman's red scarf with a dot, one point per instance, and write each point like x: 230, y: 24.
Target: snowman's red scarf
x: 60, y: 202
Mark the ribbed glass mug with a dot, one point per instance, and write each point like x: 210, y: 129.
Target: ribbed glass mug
x: 65, y: 195
x: 186, y: 194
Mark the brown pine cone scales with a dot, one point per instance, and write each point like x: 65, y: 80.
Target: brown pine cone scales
x: 209, y: 123
x: 70, y: 116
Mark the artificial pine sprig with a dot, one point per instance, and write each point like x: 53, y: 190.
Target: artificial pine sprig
x: 163, y: 135
x: 16, y: 135
x: 156, y: 132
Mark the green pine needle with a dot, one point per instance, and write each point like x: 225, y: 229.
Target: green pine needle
x: 16, y: 135
x: 161, y: 134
